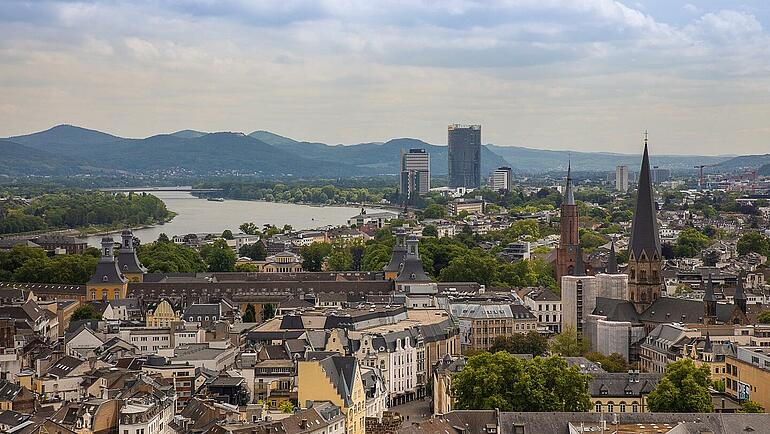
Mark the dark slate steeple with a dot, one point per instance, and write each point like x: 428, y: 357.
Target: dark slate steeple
x: 708, y: 346
x: 644, y: 229
x: 612, y: 262
x: 127, y: 259
x: 569, y: 194
x: 399, y: 252
x: 412, y: 270
x: 107, y: 269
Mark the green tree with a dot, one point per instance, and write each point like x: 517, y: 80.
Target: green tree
x: 286, y: 407
x: 473, y: 267
x: 429, y: 231
x: 754, y: 242
x: 268, y: 312
x: 246, y: 268
x: 684, y: 388
x: 250, y: 315
x: 434, y: 211
x: 521, y: 343
x: 509, y: 383
x: 613, y: 363
x: 219, y: 256
x: 690, y: 243
x: 85, y: 311
x: 255, y: 251
x: 340, y: 258
x: 568, y: 344
x: 314, y: 255
x: 163, y: 238
x: 249, y: 228
x: 167, y: 257
x: 764, y: 317
x: 227, y: 234
x: 751, y: 407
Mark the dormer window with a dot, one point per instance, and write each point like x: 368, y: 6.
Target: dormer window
x: 105, y: 278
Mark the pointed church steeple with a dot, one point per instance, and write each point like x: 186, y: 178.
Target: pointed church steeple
x: 612, y: 261
x: 644, y: 228
x: 569, y: 194
x: 708, y: 346
x: 644, y: 256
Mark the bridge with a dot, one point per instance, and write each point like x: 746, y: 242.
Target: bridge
x: 185, y: 189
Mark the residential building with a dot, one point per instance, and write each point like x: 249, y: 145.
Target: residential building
x: 443, y: 370
x: 464, y: 156
x: 471, y: 206
x: 336, y: 379
x: 501, y: 179
x: 415, y: 173
x: 621, y: 392
x: 546, y: 306
x: 481, y: 322
x: 61, y: 243
x: 161, y: 314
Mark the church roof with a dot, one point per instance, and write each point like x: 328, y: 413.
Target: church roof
x: 412, y: 270
x: 107, y: 272
x: 644, y: 229
x: 612, y: 262
x: 569, y: 195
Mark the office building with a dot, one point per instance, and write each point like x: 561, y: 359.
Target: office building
x: 660, y: 175
x: 621, y: 178
x: 415, y: 173
x: 501, y: 179
x: 464, y: 156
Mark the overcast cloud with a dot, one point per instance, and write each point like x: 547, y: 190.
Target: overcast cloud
x: 557, y: 74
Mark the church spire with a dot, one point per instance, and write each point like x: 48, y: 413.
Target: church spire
x: 612, y: 262
x: 644, y: 228
x: 569, y: 195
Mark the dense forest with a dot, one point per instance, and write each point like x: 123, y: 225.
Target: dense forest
x: 71, y: 209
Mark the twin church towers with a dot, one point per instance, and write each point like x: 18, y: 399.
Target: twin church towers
x: 644, y: 255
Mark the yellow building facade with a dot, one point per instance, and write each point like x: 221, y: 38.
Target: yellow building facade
x: 162, y: 315
x: 336, y: 379
x: 107, y: 282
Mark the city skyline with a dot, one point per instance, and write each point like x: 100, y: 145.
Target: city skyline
x: 588, y: 75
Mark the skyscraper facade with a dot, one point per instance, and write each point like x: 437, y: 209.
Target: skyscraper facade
x: 501, y: 179
x: 464, y: 156
x: 415, y: 173
x: 621, y: 178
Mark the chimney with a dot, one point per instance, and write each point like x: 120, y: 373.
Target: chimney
x: 303, y: 424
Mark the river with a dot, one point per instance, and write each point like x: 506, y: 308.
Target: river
x: 202, y: 216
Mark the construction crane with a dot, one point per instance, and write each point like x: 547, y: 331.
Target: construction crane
x: 700, y: 174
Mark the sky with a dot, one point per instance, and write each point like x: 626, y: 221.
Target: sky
x: 587, y: 75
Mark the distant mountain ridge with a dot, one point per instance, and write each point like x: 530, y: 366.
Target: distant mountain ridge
x: 67, y: 149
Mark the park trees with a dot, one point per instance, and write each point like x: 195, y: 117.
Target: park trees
x: 218, y: 256
x: 683, y: 389
x: 756, y: 242
x: 314, y: 255
x: 520, y: 343
x: 509, y: 383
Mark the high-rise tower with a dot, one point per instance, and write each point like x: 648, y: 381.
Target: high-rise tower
x: 567, y: 252
x: 644, y: 257
x: 464, y: 156
x: 415, y: 173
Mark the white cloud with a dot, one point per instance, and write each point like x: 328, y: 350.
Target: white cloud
x: 553, y: 73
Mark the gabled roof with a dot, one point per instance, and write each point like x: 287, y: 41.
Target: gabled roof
x: 64, y: 366
x: 341, y: 371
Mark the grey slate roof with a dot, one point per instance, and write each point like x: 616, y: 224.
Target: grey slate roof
x: 644, y: 228
x: 341, y: 371
x: 399, y: 251
x: 412, y: 270
x: 621, y: 384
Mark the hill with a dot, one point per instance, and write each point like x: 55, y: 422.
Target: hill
x: 742, y: 162
x: 21, y: 160
x: 541, y: 160
x: 262, y: 153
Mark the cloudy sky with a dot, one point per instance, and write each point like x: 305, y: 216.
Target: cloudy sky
x: 556, y: 74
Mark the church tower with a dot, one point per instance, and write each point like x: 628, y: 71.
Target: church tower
x: 644, y: 256
x: 709, y: 303
x: 567, y: 252
x: 107, y: 282
x: 397, y: 257
x: 128, y: 262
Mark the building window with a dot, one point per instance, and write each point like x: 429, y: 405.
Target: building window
x: 622, y: 407
x: 598, y: 407
x: 610, y: 408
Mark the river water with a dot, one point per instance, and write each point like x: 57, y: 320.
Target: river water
x: 202, y: 216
